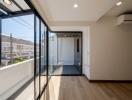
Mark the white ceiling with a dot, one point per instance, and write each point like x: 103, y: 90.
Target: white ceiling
x: 88, y: 10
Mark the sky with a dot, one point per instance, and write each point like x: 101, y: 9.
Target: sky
x: 20, y: 27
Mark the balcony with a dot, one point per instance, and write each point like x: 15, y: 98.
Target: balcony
x: 13, y: 77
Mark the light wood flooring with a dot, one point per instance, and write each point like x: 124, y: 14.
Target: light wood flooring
x: 79, y: 88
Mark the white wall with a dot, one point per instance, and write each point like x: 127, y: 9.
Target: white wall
x: 65, y: 47
x: 66, y: 51
x: 14, y: 76
x: 111, y: 50
x: 107, y: 49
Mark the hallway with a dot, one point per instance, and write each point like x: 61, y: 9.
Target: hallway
x: 79, y: 88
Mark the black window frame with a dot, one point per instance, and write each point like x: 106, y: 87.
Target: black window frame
x: 78, y: 45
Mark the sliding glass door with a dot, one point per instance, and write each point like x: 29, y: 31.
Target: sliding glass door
x: 40, y: 69
x: 36, y: 51
x: 43, y: 57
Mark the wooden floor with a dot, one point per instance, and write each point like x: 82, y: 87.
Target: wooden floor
x: 79, y: 88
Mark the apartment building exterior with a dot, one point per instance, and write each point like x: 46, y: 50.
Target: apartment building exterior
x: 16, y: 48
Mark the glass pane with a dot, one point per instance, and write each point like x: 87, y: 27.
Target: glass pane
x: 18, y: 41
x: 37, y: 57
x: 18, y: 53
x: 43, y: 56
x: 52, y: 52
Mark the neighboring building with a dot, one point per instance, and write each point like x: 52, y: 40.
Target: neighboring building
x: 16, y: 48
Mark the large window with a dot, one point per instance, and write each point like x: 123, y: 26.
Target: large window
x: 17, y: 39
x: 23, y: 49
x: 25, y: 38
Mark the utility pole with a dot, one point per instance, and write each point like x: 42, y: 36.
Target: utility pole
x: 11, y: 48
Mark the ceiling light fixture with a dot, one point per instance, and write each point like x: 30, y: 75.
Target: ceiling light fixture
x: 9, y: 2
x: 75, y: 5
x: 119, y: 3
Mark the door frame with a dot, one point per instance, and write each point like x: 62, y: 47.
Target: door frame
x: 81, y: 74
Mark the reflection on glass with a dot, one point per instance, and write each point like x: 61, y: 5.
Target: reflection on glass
x: 37, y: 57
x: 18, y: 50
x: 43, y: 56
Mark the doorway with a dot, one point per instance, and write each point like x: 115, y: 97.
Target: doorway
x: 65, y: 53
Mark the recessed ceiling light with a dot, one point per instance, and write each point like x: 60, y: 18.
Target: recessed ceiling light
x: 75, y: 5
x: 119, y: 3
x: 9, y: 2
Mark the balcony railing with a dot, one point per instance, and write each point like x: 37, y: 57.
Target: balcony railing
x: 14, y: 76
